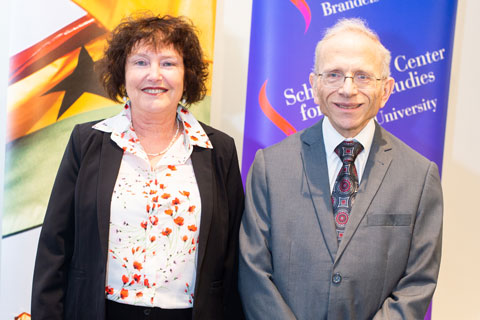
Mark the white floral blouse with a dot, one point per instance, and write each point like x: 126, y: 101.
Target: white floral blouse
x: 155, y: 218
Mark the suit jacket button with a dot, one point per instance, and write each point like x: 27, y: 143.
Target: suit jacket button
x: 337, y: 278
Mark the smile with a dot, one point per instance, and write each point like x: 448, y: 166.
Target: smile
x: 348, y: 106
x: 154, y: 91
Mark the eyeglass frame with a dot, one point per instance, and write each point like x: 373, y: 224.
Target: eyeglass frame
x: 341, y: 83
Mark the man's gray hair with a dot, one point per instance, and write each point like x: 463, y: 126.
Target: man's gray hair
x: 355, y: 25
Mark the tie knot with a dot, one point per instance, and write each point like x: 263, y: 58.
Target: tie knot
x: 348, y: 150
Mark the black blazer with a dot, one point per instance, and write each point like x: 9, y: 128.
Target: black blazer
x: 70, y: 268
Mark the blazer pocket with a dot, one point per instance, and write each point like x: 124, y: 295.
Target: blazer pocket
x: 389, y: 220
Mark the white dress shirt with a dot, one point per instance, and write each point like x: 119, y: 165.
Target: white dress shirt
x: 332, y: 139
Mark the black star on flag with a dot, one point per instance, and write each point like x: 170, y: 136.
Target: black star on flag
x: 82, y: 79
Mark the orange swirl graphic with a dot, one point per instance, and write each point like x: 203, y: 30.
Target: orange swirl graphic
x: 272, y: 114
x: 304, y: 9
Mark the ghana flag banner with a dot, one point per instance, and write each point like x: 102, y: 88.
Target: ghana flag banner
x: 52, y: 86
x: 284, y: 34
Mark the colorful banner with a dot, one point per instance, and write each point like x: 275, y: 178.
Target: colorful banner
x: 284, y: 34
x: 53, y: 86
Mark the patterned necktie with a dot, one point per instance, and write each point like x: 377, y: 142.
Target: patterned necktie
x: 346, y: 184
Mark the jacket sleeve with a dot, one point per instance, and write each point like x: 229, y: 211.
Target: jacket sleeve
x: 235, y: 196
x: 55, y: 245
x: 414, y: 291
x: 260, y: 296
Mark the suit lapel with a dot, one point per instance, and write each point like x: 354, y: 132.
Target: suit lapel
x: 204, y: 174
x: 377, y: 165
x: 315, y: 183
x: 110, y: 160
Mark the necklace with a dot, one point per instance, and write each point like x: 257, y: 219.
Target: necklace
x: 169, y: 145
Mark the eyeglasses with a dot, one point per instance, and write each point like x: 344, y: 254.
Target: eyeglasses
x: 336, y: 79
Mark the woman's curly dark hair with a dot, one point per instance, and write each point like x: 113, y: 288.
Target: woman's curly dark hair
x: 157, y: 31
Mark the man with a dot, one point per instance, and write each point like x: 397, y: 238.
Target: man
x: 327, y: 233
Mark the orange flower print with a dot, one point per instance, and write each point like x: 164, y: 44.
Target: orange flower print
x: 192, y: 228
x: 152, y: 238
x: 183, y: 111
x: 187, y: 125
x: 178, y: 220
x: 145, y: 283
x: 175, y: 201
x: 167, y: 231
x: 165, y: 196
x: 153, y: 191
x: 124, y: 279
x: 124, y: 293
x: 109, y: 290
x: 136, y: 277
x: 137, y: 265
x: 191, y: 209
x: 155, y: 199
x: 162, y: 186
x: 194, y: 138
x: 185, y: 193
x: 173, y: 168
x: 143, y: 224
x: 153, y: 220
x: 139, y: 294
x: 169, y: 212
x: 185, y: 238
x: 148, y: 208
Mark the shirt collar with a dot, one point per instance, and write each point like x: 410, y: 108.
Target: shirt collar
x: 332, y: 138
x: 122, y: 124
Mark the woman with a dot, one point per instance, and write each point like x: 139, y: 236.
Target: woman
x: 144, y: 214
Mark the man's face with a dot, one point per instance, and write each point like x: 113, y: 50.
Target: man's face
x: 348, y: 107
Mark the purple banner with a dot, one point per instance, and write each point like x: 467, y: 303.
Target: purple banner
x: 283, y: 38
x: 284, y: 34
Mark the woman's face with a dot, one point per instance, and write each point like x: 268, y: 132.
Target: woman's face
x: 154, y: 78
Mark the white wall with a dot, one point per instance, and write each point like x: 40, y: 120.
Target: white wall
x: 458, y: 288
x: 230, y: 68
x: 4, y: 7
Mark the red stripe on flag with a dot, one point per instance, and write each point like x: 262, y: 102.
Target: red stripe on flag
x: 39, y: 55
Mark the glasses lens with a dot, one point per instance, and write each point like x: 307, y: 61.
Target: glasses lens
x: 336, y: 80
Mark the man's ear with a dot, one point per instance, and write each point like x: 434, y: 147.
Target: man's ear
x: 387, y: 90
x: 313, y: 83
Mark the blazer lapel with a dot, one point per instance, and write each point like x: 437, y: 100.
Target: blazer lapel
x: 315, y: 183
x: 110, y: 160
x: 204, y: 174
x: 377, y: 165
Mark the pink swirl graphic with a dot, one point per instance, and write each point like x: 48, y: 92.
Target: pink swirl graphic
x: 304, y: 9
x: 272, y: 114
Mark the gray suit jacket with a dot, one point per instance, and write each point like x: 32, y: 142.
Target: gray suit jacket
x: 386, y: 266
